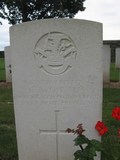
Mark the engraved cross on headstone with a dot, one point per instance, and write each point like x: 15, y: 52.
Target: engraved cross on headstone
x: 57, y: 132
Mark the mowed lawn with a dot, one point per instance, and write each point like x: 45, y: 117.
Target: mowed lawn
x: 8, y: 146
x: 114, y: 73
x: 2, y: 69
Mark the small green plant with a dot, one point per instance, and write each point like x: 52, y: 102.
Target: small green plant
x: 87, y: 148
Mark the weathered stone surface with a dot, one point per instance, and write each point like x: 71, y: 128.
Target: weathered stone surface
x: 8, y: 67
x: 57, y: 83
x: 106, y: 63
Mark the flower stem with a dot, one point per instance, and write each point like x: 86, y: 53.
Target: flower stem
x: 81, y: 147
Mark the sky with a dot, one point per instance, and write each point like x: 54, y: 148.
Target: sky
x: 105, y: 11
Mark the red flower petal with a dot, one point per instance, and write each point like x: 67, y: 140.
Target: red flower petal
x: 116, y: 113
x: 101, y: 128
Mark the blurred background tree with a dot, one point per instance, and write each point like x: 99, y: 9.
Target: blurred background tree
x: 18, y: 11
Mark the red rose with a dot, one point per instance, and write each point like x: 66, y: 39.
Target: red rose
x: 101, y: 128
x: 116, y: 113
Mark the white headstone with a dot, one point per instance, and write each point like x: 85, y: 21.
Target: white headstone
x: 57, y: 83
x: 117, y: 58
x: 8, y: 68
x: 106, y: 63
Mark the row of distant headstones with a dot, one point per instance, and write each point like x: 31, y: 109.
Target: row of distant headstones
x: 106, y: 62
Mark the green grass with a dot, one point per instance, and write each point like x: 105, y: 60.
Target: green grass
x: 114, y: 73
x: 6, y: 94
x: 2, y: 69
x: 8, y: 144
x: 111, y: 98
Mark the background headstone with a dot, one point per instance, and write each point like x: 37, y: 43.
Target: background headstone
x: 57, y: 83
x: 8, y: 67
x: 106, y: 63
x: 117, y: 58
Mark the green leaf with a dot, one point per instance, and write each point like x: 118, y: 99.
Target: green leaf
x: 89, y: 152
x: 79, y: 155
x: 96, y: 144
x: 81, y: 140
x: 92, y: 152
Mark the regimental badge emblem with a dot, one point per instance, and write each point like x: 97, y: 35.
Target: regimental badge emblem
x: 55, y: 53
